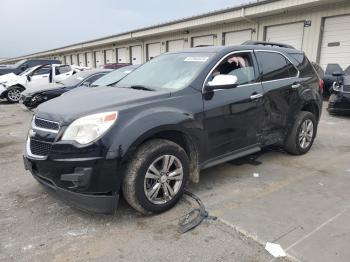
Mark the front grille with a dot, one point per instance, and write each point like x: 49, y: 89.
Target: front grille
x: 39, y: 148
x: 346, y: 88
x: 42, y: 123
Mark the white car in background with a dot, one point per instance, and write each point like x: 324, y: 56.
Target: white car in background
x: 11, y: 85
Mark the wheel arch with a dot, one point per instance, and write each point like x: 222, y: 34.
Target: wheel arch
x: 176, y: 135
x: 312, y: 107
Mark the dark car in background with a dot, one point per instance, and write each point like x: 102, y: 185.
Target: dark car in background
x: 179, y: 113
x: 32, y: 98
x: 109, y: 79
x: 339, y: 101
x: 22, y: 65
x: 329, y: 78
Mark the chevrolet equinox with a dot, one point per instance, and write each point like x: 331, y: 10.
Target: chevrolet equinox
x: 156, y: 129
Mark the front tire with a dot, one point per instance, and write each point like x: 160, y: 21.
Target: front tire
x: 14, y: 94
x: 156, y: 177
x: 302, y: 134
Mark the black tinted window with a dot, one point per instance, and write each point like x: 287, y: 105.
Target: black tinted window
x: 331, y: 68
x: 62, y: 69
x: 275, y: 66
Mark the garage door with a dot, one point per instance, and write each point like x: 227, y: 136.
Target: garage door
x: 203, y: 40
x: 153, y: 50
x: 68, y: 59
x: 82, y: 60
x: 291, y: 34
x: 237, y: 38
x: 136, y: 55
x: 89, y: 61
x: 99, y: 59
x: 335, y: 48
x: 75, y: 59
x: 109, y: 56
x: 122, y: 55
x: 175, y: 45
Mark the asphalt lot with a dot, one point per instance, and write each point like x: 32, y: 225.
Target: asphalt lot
x: 301, y: 203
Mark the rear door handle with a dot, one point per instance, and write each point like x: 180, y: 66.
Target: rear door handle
x: 256, y: 96
x: 296, y: 85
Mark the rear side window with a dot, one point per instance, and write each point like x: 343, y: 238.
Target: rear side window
x: 274, y: 66
x: 62, y: 69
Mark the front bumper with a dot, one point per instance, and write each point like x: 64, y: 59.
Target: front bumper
x: 90, y: 184
x: 27, y: 101
x: 2, y: 91
x: 339, y: 103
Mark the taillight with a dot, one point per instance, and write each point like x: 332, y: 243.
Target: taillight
x: 321, y: 84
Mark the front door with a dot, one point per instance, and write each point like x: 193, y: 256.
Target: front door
x: 233, y: 117
x: 40, y: 76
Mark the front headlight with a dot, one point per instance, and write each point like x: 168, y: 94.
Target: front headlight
x: 89, y: 128
x: 336, y: 86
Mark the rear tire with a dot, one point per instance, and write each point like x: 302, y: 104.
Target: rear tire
x: 14, y: 94
x: 302, y: 134
x: 156, y: 177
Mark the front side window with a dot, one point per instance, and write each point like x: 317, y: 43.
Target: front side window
x: 240, y: 65
x: 42, y: 70
x: 168, y: 71
x: 275, y: 66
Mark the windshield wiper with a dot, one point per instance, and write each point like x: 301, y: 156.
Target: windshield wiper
x: 139, y: 87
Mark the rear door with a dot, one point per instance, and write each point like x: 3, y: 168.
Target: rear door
x: 232, y: 117
x: 62, y: 72
x: 280, y: 81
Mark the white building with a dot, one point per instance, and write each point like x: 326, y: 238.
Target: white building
x: 321, y: 28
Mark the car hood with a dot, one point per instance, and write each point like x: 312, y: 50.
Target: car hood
x: 8, y: 77
x: 41, y: 88
x: 67, y: 108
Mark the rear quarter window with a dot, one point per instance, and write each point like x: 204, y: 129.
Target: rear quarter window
x: 304, y: 65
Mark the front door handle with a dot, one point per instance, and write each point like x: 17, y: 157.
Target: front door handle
x: 296, y: 85
x: 256, y: 96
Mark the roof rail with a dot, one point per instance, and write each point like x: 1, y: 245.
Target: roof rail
x: 251, y: 42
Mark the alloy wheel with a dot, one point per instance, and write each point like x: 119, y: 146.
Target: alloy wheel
x: 306, y: 133
x: 163, y: 179
x: 14, y: 95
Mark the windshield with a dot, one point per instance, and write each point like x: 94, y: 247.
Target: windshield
x: 26, y: 71
x: 18, y: 64
x: 171, y: 71
x: 114, y: 76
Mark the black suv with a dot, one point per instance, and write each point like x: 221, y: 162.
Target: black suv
x: 22, y: 65
x: 177, y: 114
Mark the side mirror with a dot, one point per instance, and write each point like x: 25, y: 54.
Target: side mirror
x: 337, y: 73
x: 222, y: 82
x: 28, y: 78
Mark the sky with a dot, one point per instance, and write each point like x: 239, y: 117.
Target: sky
x: 28, y: 26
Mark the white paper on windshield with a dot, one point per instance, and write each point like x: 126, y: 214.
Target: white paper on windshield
x: 196, y: 59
